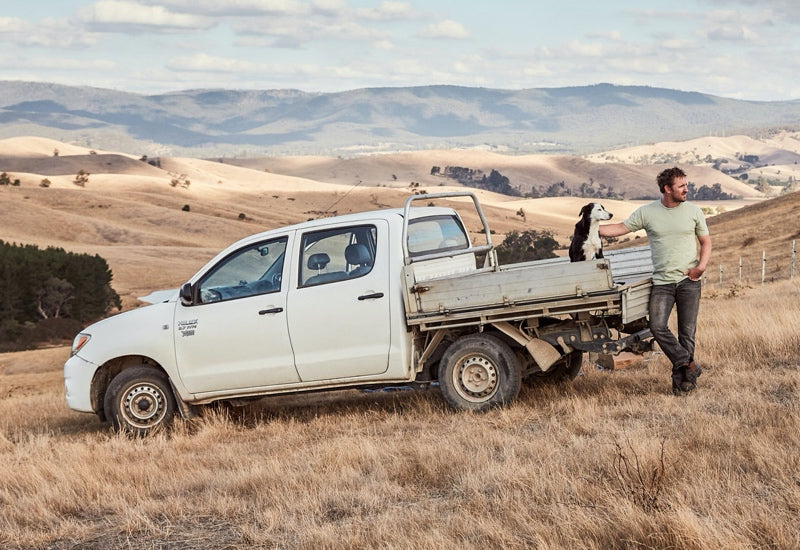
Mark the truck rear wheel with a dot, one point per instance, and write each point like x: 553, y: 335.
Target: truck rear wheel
x: 139, y: 400
x: 478, y: 372
x: 566, y: 368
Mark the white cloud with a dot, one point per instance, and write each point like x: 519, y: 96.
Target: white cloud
x: 122, y: 15
x: 13, y: 24
x: 785, y: 10
x: 732, y: 33
x: 48, y: 33
x: 387, y: 11
x: 309, y: 30
x: 330, y: 8
x: 219, y: 8
x: 66, y: 64
x: 615, y: 36
x: 410, y: 67
x: 445, y: 29
x: 536, y: 70
x: 678, y: 44
x: 386, y: 45
x: 585, y: 49
x: 210, y: 63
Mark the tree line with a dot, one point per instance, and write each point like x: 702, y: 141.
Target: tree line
x: 495, y: 181
x: 40, y: 285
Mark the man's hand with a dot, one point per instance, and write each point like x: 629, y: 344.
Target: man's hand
x: 694, y: 273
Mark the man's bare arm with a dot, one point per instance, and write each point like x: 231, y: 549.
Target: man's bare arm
x: 705, y: 254
x: 613, y: 230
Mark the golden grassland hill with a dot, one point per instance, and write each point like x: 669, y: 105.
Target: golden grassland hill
x: 776, y: 149
x: 525, y: 172
x: 777, y: 154
x: 629, y: 464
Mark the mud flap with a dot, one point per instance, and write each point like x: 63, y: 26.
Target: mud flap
x: 543, y: 353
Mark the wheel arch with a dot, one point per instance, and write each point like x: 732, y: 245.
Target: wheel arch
x: 110, y: 369
x: 498, y: 357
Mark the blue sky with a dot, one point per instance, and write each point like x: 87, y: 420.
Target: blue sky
x: 732, y: 48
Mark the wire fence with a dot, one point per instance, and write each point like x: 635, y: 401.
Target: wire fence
x: 754, y: 269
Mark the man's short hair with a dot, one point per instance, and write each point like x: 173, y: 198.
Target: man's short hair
x: 667, y: 177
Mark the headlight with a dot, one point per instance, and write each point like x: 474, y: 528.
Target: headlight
x: 80, y: 340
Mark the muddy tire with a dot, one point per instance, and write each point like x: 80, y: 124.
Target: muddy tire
x: 563, y: 370
x: 478, y: 372
x: 139, y: 400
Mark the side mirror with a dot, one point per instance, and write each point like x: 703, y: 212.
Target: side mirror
x: 186, y: 295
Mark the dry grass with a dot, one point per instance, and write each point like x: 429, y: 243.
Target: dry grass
x: 610, y: 461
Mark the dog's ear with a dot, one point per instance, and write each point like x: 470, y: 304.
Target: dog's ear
x: 586, y: 210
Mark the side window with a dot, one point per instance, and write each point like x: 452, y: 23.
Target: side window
x: 337, y: 254
x: 435, y: 234
x: 253, y: 270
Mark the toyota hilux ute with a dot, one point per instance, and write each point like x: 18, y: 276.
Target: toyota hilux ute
x: 395, y: 296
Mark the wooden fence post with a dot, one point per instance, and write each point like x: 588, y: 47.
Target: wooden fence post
x: 740, y: 271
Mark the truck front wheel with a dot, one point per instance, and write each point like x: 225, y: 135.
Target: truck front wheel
x: 139, y: 400
x: 478, y: 372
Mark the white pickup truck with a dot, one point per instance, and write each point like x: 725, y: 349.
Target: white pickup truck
x: 358, y: 301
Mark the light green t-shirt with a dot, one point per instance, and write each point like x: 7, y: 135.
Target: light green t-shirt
x: 673, y: 236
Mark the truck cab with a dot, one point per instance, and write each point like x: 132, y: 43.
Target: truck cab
x: 310, y: 306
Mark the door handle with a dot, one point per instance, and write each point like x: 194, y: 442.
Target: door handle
x: 271, y: 310
x: 372, y: 296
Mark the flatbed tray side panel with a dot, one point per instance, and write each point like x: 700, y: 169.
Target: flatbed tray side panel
x: 505, y: 287
x: 636, y: 300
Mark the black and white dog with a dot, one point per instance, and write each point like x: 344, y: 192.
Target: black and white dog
x: 586, y: 244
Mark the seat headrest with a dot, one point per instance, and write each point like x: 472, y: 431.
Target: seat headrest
x: 357, y: 254
x: 318, y: 261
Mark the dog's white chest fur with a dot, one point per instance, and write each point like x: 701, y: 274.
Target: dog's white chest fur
x: 592, y: 243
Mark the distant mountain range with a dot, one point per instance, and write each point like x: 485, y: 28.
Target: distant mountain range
x: 211, y: 123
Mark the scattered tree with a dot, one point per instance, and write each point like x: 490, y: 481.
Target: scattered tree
x: 81, y: 178
x: 526, y: 246
x: 180, y: 181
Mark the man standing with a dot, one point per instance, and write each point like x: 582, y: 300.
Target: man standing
x: 672, y: 225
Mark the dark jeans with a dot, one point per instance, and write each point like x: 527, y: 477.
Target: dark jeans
x: 685, y: 296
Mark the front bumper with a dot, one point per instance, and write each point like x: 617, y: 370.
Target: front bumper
x: 78, y: 375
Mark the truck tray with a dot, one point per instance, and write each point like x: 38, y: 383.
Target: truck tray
x: 513, y: 291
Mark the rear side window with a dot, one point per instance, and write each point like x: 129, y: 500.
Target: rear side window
x: 436, y: 234
x: 337, y: 254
